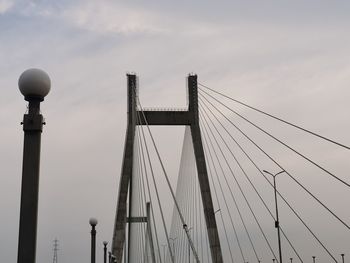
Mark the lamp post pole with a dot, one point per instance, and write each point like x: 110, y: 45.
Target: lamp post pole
x: 342, y: 257
x: 105, y: 251
x: 189, y: 246
x: 291, y: 260
x: 34, y: 84
x: 277, y: 224
x: 93, y: 223
x: 313, y: 259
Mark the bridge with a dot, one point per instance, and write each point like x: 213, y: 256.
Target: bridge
x: 244, y: 193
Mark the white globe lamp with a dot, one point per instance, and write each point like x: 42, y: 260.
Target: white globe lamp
x: 34, y: 84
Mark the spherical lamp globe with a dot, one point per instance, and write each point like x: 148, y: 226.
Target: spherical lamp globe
x: 105, y: 243
x: 34, y: 84
x: 93, y: 221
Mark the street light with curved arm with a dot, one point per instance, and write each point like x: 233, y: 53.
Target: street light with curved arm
x: 277, y: 224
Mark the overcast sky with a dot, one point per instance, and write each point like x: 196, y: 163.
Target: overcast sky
x: 290, y: 58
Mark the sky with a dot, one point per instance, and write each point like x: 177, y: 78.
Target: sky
x: 290, y: 58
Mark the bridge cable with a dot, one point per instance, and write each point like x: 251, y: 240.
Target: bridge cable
x: 185, y: 205
x: 281, y: 142
x: 136, y: 201
x: 169, y: 185
x: 277, y: 118
x: 157, y: 194
x: 175, y: 220
x: 200, y: 209
x: 143, y: 201
x: 211, y: 165
x: 239, y: 186
x: 279, y: 192
x: 256, y: 191
x: 143, y: 175
x: 149, y: 192
x: 207, y: 138
x: 150, y: 197
x: 318, y: 200
x: 186, y: 196
x: 183, y: 196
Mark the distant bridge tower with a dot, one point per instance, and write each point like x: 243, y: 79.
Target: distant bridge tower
x: 188, y: 118
x: 55, y: 249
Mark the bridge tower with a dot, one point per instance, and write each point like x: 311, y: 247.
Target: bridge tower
x: 188, y: 118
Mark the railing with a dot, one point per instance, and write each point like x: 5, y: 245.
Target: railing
x: 162, y: 109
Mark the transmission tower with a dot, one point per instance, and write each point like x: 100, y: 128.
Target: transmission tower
x: 55, y: 249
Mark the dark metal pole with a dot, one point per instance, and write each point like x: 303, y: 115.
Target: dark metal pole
x: 277, y: 224
x: 277, y: 221
x: 34, y: 85
x: 342, y: 257
x: 105, y: 251
x: 189, y: 253
x: 93, y: 223
x: 291, y: 260
x: 313, y: 259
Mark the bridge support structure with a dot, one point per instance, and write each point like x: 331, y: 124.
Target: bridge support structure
x: 189, y: 118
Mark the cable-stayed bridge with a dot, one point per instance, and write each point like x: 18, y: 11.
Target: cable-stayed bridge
x: 245, y: 192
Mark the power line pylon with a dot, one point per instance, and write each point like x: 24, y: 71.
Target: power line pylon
x: 187, y: 118
x: 55, y: 249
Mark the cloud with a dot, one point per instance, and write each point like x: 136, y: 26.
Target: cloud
x: 5, y: 5
x: 112, y: 18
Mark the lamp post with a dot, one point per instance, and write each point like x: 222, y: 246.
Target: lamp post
x: 342, y: 257
x: 34, y: 84
x: 105, y: 243
x: 277, y: 224
x: 291, y: 260
x: 313, y: 259
x: 93, y: 223
x: 189, y: 246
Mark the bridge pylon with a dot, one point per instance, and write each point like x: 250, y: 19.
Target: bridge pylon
x: 168, y: 117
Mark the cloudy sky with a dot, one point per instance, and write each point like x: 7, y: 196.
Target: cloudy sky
x: 290, y: 58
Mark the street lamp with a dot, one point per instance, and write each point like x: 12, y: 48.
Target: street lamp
x: 313, y: 259
x: 105, y: 243
x: 93, y: 223
x: 34, y: 84
x: 189, y: 246
x: 277, y: 225
x: 342, y: 257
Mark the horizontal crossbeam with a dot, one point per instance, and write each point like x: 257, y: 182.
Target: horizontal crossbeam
x: 165, y: 118
x: 138, y: 219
